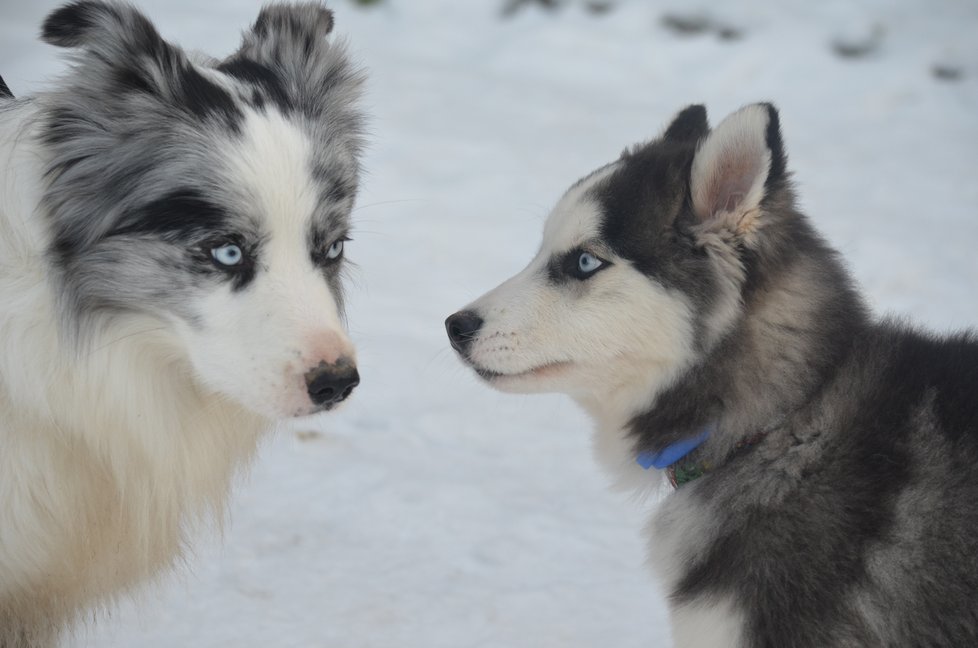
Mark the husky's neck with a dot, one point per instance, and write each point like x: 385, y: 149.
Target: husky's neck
x: 799, y: 320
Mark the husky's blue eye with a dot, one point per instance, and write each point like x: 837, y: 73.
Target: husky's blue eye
x: 588, y: 263
x: 227, y: 255
x: 578, y: 264
x: 335, y: 250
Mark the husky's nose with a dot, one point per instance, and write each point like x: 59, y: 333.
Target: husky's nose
x: 329, y: 384
x: 462, y: 327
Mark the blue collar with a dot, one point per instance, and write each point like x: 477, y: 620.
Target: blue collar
x: 674, y: 452
x: 682, y: 472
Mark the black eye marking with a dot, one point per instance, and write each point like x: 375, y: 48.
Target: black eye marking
x: 328, y: 252
x: 579, y: 264
x: 182, y: 214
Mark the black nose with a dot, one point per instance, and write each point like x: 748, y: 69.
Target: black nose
x: 462, y: 327
x: 329, y: 384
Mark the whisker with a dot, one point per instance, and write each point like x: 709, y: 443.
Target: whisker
x: 390, y: 202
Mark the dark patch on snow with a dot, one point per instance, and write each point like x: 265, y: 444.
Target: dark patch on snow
x: 947, y: 71
x: 695, y: 24
x: 513, y: 7
x: 859, y: 46
x: 729, y: 33
x: 687, y: 24
x: 599, y: 7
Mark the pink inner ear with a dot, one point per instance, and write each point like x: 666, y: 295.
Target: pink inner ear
x: 733, y: 180
x: 733, y: 200
x: 731, y: 165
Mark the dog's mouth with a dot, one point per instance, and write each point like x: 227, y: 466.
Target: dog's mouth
x: 547, y: 370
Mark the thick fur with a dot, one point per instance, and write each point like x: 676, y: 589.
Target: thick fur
x: 137, y: 372
x: 853, y: 521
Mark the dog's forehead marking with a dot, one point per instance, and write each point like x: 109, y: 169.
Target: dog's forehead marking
x: 577, y: 216
x: 272, y: 160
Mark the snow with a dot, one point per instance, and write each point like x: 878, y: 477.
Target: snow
x: 432, y: 511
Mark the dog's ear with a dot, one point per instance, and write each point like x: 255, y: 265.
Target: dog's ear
x: 690, y: 125
x: 112, y: 32
x: 287, y: 54
x: 306, y: 22
x: 124, y: 57
x: 736, y: 166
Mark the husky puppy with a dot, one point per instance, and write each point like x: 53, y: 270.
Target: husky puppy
x: 824, y: 461
x: 171, y: 247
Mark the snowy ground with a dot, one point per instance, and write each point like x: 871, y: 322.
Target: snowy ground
x: 432, y: 512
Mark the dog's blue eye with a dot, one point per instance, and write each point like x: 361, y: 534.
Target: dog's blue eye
x: 228, y: 255
x: 588, y: 263
x: 335, y: 250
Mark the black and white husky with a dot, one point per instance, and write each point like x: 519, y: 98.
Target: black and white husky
x: 824, y: 462
x: 171, y: 246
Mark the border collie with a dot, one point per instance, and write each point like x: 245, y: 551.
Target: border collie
x: 172, y: 232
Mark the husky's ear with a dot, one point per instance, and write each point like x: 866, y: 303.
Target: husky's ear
x: 688, y: 126
x: 736, y: 166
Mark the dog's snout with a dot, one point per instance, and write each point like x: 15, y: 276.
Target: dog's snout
x: 329, y: 384
x: 462, y: 327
